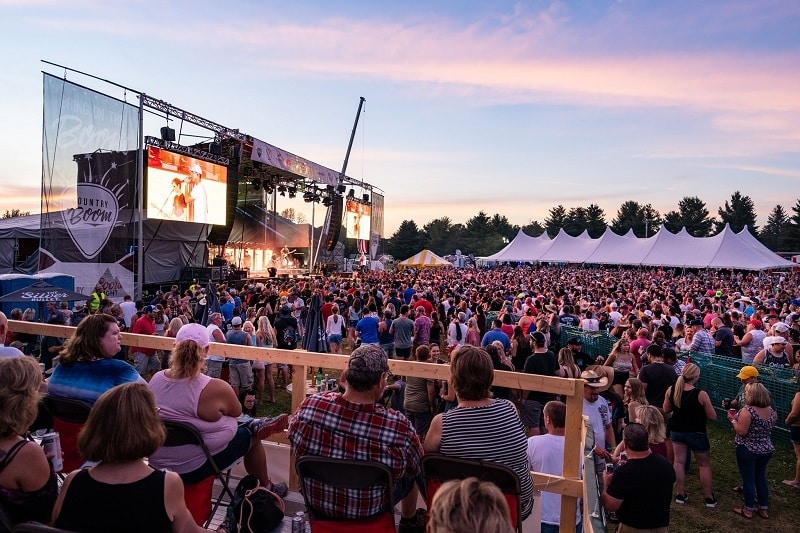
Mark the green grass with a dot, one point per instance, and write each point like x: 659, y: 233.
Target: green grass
x: 784, y: 504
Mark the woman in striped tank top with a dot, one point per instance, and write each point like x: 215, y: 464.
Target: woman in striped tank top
x: 481, y: 427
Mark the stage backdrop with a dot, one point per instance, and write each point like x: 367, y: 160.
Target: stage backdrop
x: 89, y: 187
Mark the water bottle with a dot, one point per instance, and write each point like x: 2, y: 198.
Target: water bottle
x: 319, y: 380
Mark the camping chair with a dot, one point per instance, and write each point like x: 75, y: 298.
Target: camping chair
x: 69, y: 416
x: 198, y: 496
x: 438, y: 468
x: 344, y: 474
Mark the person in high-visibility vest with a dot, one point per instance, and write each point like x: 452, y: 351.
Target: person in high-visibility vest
x: 95, y: 298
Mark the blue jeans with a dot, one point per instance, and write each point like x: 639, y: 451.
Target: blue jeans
x: 753, y: 468
x: 553, y: 528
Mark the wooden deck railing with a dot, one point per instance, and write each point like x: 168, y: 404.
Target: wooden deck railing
x: 569, y: 485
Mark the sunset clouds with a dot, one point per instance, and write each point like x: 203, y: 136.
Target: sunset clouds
x: 467, y: 102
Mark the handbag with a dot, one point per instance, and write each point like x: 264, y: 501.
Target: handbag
x: 254, y: 508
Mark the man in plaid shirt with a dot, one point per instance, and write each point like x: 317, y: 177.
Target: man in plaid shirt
x: 702, y: 342
x: 353, y: 425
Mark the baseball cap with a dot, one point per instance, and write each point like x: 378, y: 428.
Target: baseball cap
x: 368, y: 358
x: 780, y: 327
x: 696, y: 322
x: 196, y: 168
x: 148, y: 308
x: 193, y: 332
x: 747, y: 372
x: 286, y: 310
x: 756, y: 322
x: 538, y: 337
x: 574, y: 340
x: 776, y: 340
x: 236, y: 321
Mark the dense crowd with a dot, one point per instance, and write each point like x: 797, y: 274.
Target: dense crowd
x: 640, y: 399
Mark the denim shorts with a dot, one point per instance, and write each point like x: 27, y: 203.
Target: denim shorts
x: 235, y: 450
x: 696, y: 441
x: 335, y: 338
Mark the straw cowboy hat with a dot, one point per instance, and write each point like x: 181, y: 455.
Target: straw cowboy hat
x: 598, y: 376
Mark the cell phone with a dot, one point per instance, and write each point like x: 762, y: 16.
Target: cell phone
x: 609, y: 468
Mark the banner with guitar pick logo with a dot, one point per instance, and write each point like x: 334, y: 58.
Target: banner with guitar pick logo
x: 90, y: 143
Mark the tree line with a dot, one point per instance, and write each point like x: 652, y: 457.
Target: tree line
x: 484, y: 235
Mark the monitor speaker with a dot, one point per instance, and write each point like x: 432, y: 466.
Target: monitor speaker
x: 219, y: 234
x: 167, y: 134
x: 335, y: 223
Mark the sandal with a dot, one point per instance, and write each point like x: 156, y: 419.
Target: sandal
x: 741, y: 511
x: 792, y: 483
x: 763, y: 513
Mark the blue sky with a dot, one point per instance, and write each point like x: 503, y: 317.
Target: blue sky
x: 508, y: 107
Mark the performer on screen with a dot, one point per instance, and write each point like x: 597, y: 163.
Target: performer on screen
x: 196, y: 196
x: 176, y: 200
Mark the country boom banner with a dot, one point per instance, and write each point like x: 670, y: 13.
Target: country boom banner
x: 89, y: 177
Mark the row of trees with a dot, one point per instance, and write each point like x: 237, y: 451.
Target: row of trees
x: 485, y: 235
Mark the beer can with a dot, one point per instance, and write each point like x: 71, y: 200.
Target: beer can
x: 298, y: 525
x: 41, y: 368
x: 51, y: 443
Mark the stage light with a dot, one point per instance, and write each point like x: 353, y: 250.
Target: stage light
x: 292, y: 191
x: 351, y: 193
x: 308, y: 196
x: 366, y: 198
x: 341, y: 188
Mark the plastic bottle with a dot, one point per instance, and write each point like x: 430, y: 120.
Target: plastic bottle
x: 319, y: 378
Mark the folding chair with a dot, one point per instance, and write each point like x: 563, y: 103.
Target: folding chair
x: 344, y: 474
x: 69, y: 416
x: 199, y: 495
x: 438, y: 468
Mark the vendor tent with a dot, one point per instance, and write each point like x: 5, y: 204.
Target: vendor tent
x: 727, y: 249
x: 424, y: 259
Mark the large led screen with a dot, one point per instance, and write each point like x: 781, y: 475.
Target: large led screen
x: 186, y: 189
x: 357, y: 220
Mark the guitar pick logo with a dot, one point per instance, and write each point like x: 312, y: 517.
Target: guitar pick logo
x: 90, y: 223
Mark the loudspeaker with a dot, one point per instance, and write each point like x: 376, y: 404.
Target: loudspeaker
x: 219, y: 234
x: 335, y: 223
x: 167, y: 134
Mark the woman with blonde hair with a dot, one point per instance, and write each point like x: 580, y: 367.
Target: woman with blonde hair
x: 469, y: 505
x: 123, y: 428
x: 172, y: 330
x: 473, y: 337
x: 265, y: 338
x: 691, y: 409
x: 622, y: 360
x: 633, y: 397
x: 753, y: 427
x: 184, y: 394
x: 28, y: 486
x: 651, y: 418
x: 566, y: 365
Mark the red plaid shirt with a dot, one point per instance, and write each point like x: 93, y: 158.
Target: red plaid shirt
x: 328, y: 425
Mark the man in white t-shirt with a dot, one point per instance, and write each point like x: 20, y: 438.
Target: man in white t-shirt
x: 598, y: 411
x: 614, y: 315
x: 128, y: 309
x: 546, y: 455
x: 196, y: 195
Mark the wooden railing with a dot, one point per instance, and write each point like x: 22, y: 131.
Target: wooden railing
x: 568, y: 485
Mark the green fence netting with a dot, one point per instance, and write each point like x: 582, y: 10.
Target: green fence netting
x: 717, y: 378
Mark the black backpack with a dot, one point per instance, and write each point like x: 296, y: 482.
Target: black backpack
x: 254, y: 509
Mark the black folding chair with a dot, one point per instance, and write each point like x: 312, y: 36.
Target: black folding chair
x: 67, y: 409
x: 344, y: 474
x: 66, y: 416
x: 438, y: 468
x: 182, y: 434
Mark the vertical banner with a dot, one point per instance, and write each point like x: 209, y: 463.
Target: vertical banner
x: 89, y: 180
x: 377, y: 224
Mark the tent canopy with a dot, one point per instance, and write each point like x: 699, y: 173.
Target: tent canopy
x: 424, y: 259
x: 727, y: 249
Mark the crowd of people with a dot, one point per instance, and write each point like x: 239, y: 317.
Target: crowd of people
x: 640, y: 399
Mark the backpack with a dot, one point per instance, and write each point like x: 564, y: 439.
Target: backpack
x: 254, y: 508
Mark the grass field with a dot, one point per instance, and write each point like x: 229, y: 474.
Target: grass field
x: 694, y: 516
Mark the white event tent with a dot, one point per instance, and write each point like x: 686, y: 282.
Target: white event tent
x: 727, y: 249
